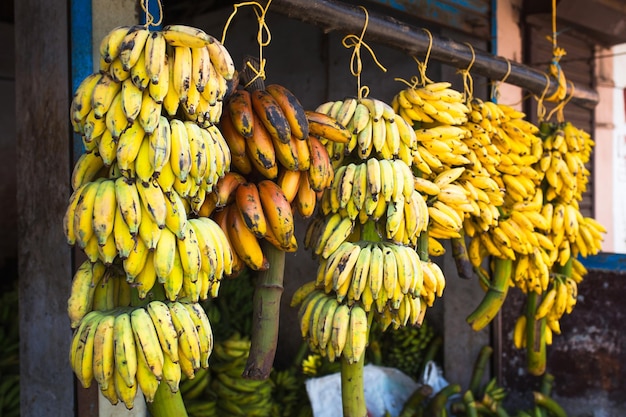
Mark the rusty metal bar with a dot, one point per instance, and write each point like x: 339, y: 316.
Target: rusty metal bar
x: 333, y: 15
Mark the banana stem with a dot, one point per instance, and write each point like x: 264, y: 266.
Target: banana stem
x: 565, y: 270
x: 459, y: 251
x: 546, y: 384
x: 479, y: 368
x: 535, y: 338
x: 167, y: 403
x: 437, y: 405
x: 415, y: 400
x: 422, y: 246
x: 266, y: 313
x: 549, y: 404
x: 470, y: 404
x: 352, y: 389
x: 369, y: 232
x: 495, y: 296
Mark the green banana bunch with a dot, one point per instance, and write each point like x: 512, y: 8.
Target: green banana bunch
x: 237, y: 396
x: 405, y: 348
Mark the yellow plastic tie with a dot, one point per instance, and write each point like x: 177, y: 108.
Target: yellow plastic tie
x: 356, y: 64
x: 264, y: 36
x: 468, y: 81
x: 495, y: 87
x: 541, y: 108
x: 558, y: 110
x: 149, y: 17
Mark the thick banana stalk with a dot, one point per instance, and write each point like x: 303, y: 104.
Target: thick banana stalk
x: 495, y: 296
x: 535, y: 338
x: 167, y: 403
x: 352, y: 389
x: 266, y: 312
x: 479, y: 368
x: 461, y: 259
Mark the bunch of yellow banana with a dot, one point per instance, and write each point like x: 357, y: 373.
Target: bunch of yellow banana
x: 450, y: 162
x: 367, y: 264
x: 559, y: 299
x: 130, y: 348
x: 237, y: 396
x: 377, y: 190
x: 432, y: 103
x: 332, y: 328
x: 143, y: 71
x: 520, y: 236
x: 513, y: 227
x: 375, y: 274
x: 365, y: 127
x: 248, y: 212
x: 566, y: 151
x: 148, y: 230
x: 504, y: 147
x: 178, y: 155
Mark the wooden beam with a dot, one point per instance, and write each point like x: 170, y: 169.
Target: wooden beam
x: 338, y: 16
x: 43, y: 171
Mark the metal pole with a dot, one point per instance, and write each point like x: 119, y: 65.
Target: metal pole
x: 333, y: 15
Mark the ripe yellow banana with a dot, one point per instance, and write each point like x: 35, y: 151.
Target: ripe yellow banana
x: 147, y: 340
x: 125, y: 349
x: 132, y: 46
x: 244, y: 242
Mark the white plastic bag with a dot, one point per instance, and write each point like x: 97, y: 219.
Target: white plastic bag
x: 433, y: 376
x: 386, y: 389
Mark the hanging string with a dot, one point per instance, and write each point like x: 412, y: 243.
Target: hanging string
x: 555, y: 67
x: 468, y: 81
x: 413, y: 83
x: 356, y: 64
x: 422, y: 66
x: 495, y: 87
x: 264, y: 36
x: 149, y: 17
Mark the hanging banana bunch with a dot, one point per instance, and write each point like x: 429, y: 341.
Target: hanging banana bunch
x: 369, y: 216
x: 153, y: 155
x: 278, y: 169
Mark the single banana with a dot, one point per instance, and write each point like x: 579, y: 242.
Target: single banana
x: 132, y: 46
x: 205, y: 333
x: 188, y: 339
x: 181, y: 71
x: 244, y: 242
x: 153, y: 199
x: 221, y: 60
x: 125, y: 349
x: 82, y: 348
x: 109, y: 48
x: 271, y: 115
x: 86, y: 169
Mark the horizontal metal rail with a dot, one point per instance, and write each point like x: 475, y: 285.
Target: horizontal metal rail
x: 345, y: 18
